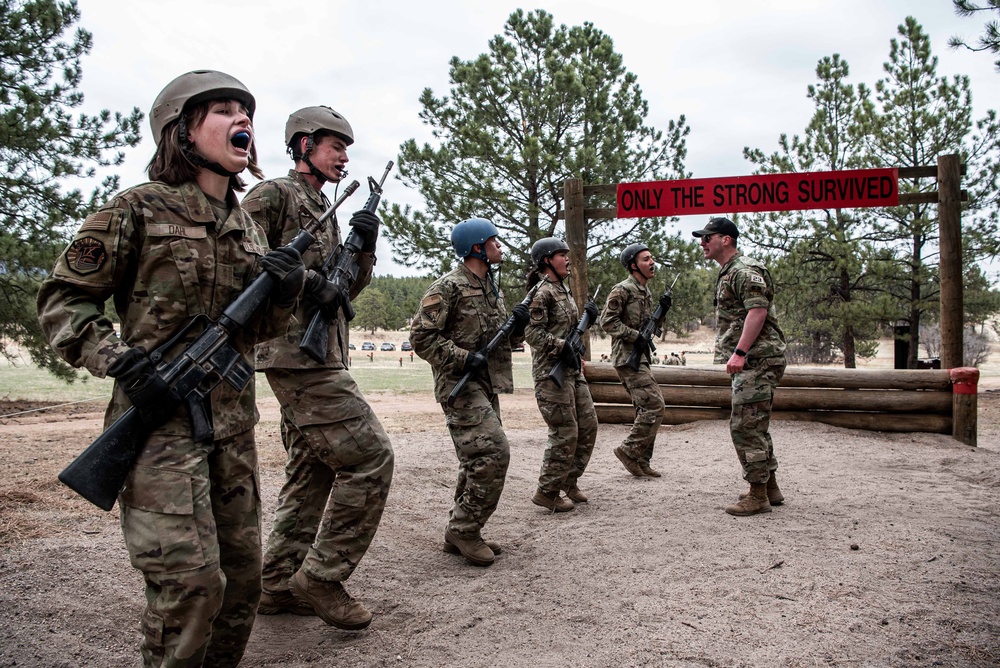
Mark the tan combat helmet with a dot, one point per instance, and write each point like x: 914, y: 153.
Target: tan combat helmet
x: 310, y: 120
x: 193, y: 88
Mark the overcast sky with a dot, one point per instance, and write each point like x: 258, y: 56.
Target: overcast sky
x: 737, y: 70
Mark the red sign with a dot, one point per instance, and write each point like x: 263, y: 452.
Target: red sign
x: 761, y: 192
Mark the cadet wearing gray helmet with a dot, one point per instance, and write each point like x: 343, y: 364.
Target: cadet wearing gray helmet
x: 568, y: 410
x: 339, y: 459
x: 458, y: 316
x: 629, y: 304
x: 165, y: 253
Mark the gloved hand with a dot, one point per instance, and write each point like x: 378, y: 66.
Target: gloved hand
x: 319, y: 293
x: 572, y: 350
x: 521, y: 318
x: 366, y: 224
x: 285, y: 264
x: 590, y: 308
x: 644, y: 343
x: 371, y: 241
x: 148, y: 392
x: 665, y: 301
x: 475, y: 363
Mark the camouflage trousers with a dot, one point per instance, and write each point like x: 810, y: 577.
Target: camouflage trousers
x: 483, y: 457
x: 750, y: 420
x: 569, y: 413
x: 338, y: 472
x: 190, y: 514
x: 648, y: 402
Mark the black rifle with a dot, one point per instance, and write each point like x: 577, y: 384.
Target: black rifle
x: 572, y: 344
x: 341, y: 269
x: 99, y: 472
x: 649, y: 329
x: 501, y: 335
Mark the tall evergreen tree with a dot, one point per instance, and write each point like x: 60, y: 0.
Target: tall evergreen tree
x: 915, y: 117
x: 826, y: 274
x: 545, y: 104
x: 42, y: 149
x: 990, y: 39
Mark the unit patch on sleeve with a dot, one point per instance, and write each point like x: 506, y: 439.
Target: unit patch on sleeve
x: 86, y: 255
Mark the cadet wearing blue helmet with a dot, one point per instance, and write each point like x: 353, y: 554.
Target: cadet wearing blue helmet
x: 458, y: 315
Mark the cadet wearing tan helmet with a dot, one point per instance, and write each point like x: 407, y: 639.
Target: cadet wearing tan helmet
x: 339, y: 458
x: 190, y: 512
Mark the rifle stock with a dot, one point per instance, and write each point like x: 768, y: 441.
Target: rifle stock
x: 341, y: 269
x: 501, y: 335
x: 99, y: 472
x: 557, y: 372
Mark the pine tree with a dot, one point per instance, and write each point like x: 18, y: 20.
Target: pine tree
x: 43, y: 149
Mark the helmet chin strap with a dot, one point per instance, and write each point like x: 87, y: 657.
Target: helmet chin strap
x: 313, y: 169
x: 197, y: 158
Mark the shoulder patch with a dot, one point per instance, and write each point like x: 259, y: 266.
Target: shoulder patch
x: 99, y: 221
x: 86, y: 255
x: 757, y: 278
x: 430, y: 301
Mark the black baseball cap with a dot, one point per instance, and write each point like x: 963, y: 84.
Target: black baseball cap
x: 719, y: 225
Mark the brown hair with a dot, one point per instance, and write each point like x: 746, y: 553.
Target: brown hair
x: 171, y: 163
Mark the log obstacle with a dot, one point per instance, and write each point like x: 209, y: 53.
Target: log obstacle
x: 898, y: 400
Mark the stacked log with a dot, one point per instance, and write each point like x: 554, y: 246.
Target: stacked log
x: 895, y: 400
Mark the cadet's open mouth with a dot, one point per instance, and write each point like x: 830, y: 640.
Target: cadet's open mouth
x: 241, y: 140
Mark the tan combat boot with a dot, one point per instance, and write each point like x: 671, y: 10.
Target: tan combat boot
x: 754, y: 502
x: 331, y: 602
x: 631, y: 465
x: 553, y: 502
x: 276, y: 598
x: 575, y: 495
x: 475, y: 551
x: 492, y: 544
x: 647, y: 470
x: 774, y: 495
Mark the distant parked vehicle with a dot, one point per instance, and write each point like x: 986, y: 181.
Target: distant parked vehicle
x: 367, y: 345
x: 387, y: 346
x: 405, y: 346
x: 350, y: 346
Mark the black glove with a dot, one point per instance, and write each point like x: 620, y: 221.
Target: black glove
x: 521, y: 317
x: 285, y: 264
x: 366, y: 223
x: 665, y: 301
x: 643, y: 343
x: 590, y: 308
x: 371, y: 241
x: 475, y: 363
x: 319, y: 293
x: 148, y: 392
x: 572, y: 350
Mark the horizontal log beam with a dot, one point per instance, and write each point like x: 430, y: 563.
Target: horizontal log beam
x: 816, y: 377
x: 900, y: 422
x: 793, y: 398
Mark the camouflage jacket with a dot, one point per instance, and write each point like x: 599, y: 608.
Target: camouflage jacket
x: 629, y: 304
x: 460, y: 313
x: 553, y: 316
x: 744, y: 284
x: 159, y: 252
x: 282, y: 207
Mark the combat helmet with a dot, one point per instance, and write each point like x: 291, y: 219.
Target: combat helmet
x: 545, y: 248
x: 193, y: 88
x: 310, y: 120
x: 468, y: 233
x: 629, y: 254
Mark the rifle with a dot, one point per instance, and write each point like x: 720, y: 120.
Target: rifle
x: 99, y: 472
x: 648, y: 330
x: 341, y: 269
x: 571, y: 345
x: 501, y: 335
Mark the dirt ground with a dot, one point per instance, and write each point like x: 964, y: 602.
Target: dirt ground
x: 884, y: 554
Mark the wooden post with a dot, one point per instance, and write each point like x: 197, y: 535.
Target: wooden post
x: 964, y: 407
x: 950, y: 232
x: 576, y: 239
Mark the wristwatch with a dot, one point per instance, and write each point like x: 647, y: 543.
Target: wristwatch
x: 741, y: 353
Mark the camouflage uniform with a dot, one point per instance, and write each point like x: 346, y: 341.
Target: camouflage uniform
x: 340, y: 461
x: 190, y: 512
x: 569, y: 410
x: 629, y: 305
x: 744, y: 284
x: 459, y: 314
